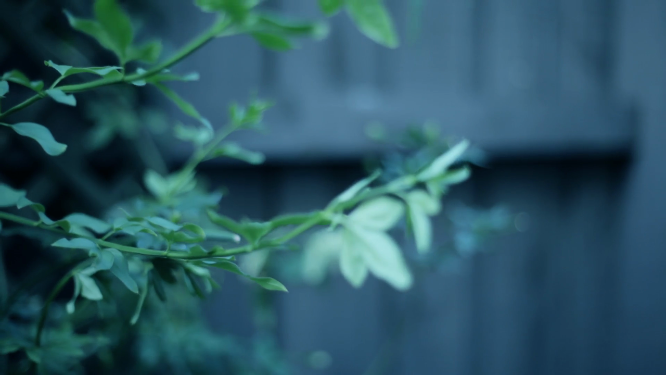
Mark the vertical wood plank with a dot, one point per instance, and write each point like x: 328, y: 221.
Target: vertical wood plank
x: 438, y: 321
x: 641, y: 336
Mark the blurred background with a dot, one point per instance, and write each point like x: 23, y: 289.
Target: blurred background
x: 566, y: 98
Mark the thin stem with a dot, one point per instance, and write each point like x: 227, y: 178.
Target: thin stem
x: 29, y: 283
x: 198, y: 42
x: 161, y: 253
x: 54, y: 293
x: 22, y: 105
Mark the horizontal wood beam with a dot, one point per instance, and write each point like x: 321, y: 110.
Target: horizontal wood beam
x: 331, y: 128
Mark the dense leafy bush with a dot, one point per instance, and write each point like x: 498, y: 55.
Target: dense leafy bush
x: 156, y: 245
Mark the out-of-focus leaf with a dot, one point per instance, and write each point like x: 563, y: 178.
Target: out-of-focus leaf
x: 421, y: 226
x: 378, y: 214
x: 331, y: 7
x: 319, y: 252
x: 381, y: 254
x: 273, y: 42
x: 19, y: 78
x: 251, y: 231
x: 156, y: 184
x: 373, y: 20
x: 4, y: 88
x: 89, y: 288
x: 116, y: 25
x: 139, y: 305
x: 71, y: 305
x: 233, y: 150
x: 95, y: 30
x: 355, y: 189
x: 288, y: 28
x: 121, y: 270
x: 168, y: 76
x: 443, y: 162
x: 237, y: 9
x: 96, y: 225
x: 198, y: 136
x: 163, y: 223
x: 148, y: 52
x: 9, y: 197
x: 103, y: 261
x: 184, y: 106
x: 352, y: 263
x: 76, y: 243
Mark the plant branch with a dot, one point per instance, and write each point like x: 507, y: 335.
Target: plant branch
x: 198, y: 42
x: 161, y: 253
x: 54, y: 293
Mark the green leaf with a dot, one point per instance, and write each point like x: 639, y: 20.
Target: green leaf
x: 251, y: 231
x: 4, y: 88
x: 427, y: 203
x: 192, y: 284
x: 95, y: 30
x: 378, y: 214
x: 156, y: 184
x: 71, y: 305
x: 184, y: 106
x: 163, y: 223
x: 198, y: 136
x: 62, y: 69
x: 42, y: 135
x: 265, y: 282
x: 381, y: 254
x: 233, y: 150
x: 76, y: 243
x: 17, y: 77
x: 121, y: 270
x: 273, y: 42
x: 60, y: 97
x: 89, y: 288
x: 224, y: 221
x: 116, y: 25
x: 373, y: 20
x: 139, y: 305
x: 198, y: 251
x: 156, y: 281
x: 66, y: 70
x: 181, y: 237
x: 352, y: 263
x: 34, y: 354
x: 254, y: 231
x: 148, y: 52
x: 355, y: 189
x: 421, y: 226
x: 168, y: 76
x: 39, y: 208
x: 281, y: 26
x: 237, y: 9
x: 421, y: 205
x: 104, y: 260
x: 443, y: 162
x: 319, y: 252
x: 9, y: 197
x: 331, y: 7
x: 96, y: 225
x: 64, y: 224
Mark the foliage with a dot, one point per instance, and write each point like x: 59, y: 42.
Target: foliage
x: 171, y: 237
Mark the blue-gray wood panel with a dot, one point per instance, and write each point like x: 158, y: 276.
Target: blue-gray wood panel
x: 505, y: 73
